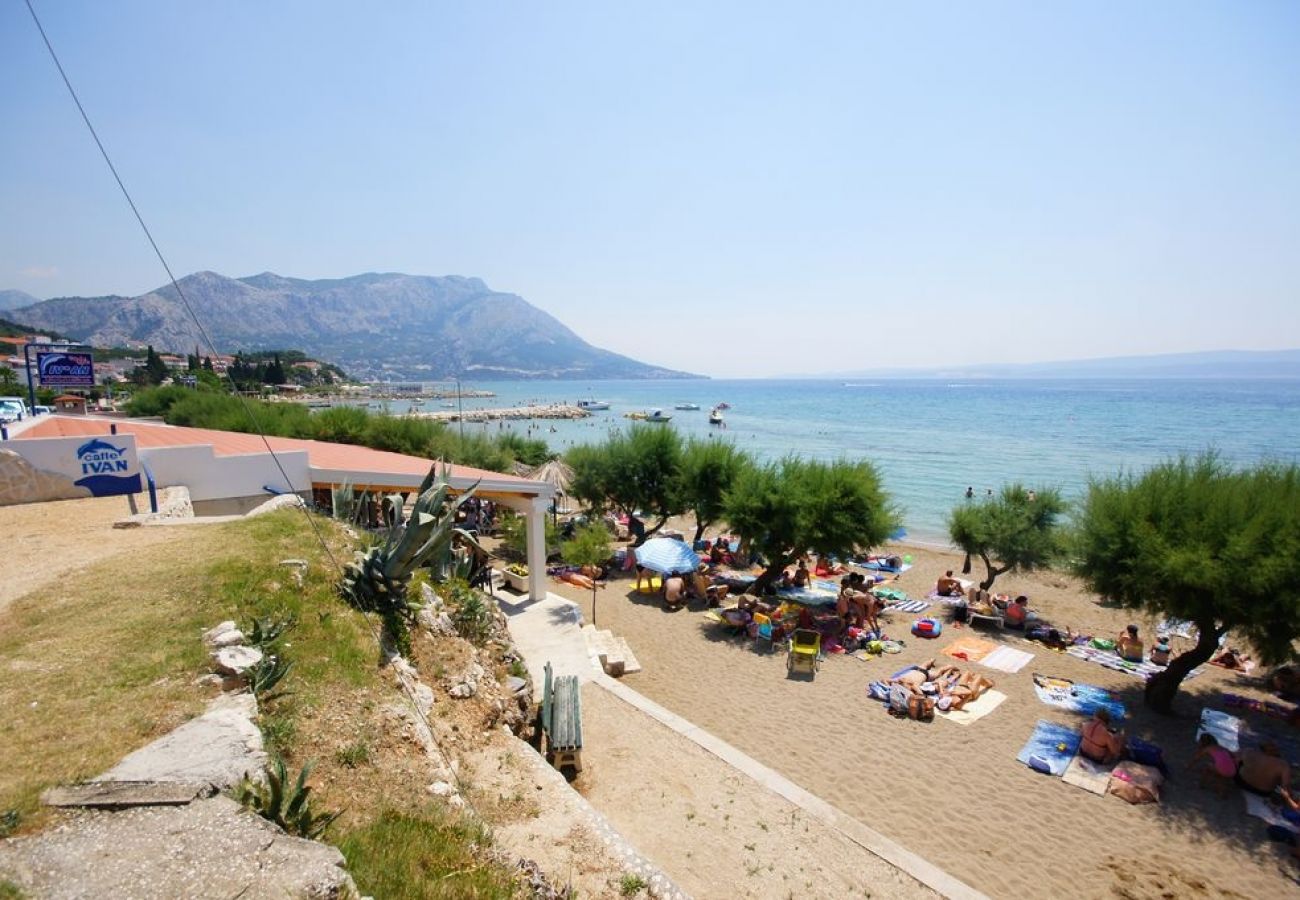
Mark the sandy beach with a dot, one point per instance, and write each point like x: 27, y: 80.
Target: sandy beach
x: 956, y: 794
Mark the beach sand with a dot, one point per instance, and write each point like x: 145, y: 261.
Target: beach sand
x: 956, y: 794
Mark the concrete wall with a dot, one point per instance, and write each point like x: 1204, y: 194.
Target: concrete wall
x: 211, y: 477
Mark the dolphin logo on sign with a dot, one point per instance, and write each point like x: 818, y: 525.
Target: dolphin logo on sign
x: 62, y: 369
x: 106, y: 469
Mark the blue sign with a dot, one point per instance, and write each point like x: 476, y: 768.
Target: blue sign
x: 63, y: 369
x: 106, y: 469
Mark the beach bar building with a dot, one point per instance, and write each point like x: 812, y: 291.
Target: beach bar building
x: 229, y: 473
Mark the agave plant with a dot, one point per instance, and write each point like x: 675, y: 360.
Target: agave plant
x: 266, y: 673
x: 287, y: 805
x: 378, y: 578
x: 266, y: 630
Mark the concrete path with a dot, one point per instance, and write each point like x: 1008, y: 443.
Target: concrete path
x: 548, y: 630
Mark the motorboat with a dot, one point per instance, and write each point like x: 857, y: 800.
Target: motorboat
x: 655, y: 415
x: 715, y: 416
x: 592, y: 404
x: 687, y: 406
x: 723, y: 405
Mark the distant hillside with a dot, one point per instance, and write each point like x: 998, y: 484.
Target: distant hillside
x: 1207, y: 364
x: 15, y: 299
x: 376, y: 326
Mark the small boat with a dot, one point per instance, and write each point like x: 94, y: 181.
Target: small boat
x: 723, y: 405
x: 657, y: 415
x: 715, y: 416
x: 687, y: 406
x: 417, y: 402
x: 592, y: 404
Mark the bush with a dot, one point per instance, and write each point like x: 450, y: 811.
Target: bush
x: 471, y: 615
x: 287, y: 805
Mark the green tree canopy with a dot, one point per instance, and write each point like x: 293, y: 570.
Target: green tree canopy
x: 1198, y: 540
x: 589, y: 547
x: 637, y: 470
x: 155, y: 370
x: 1017, y: 530
x: 784, y: 510
x: 708, y: 469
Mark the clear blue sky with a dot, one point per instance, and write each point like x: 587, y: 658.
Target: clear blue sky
x: 740, y: 189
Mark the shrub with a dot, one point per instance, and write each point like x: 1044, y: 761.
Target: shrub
x: 287, y: 805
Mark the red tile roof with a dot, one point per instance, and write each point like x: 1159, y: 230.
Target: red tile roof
x: 320, y: 454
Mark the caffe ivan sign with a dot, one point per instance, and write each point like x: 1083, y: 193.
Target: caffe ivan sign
x: 64, y: 369
x: 102, y: 465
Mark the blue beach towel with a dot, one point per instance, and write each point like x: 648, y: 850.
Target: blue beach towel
x: 1077, y: 697
x: 1050, y: 748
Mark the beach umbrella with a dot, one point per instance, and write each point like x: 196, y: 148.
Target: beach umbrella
x: 555, y: 473
x: 667, y: 556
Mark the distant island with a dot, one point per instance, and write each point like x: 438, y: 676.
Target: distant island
x: 1207, y: 364
x: 379, y: 327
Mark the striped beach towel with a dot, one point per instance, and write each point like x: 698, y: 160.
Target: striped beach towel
x: 908, y: 606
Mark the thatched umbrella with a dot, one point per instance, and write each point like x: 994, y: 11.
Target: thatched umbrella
x: 557, y: 474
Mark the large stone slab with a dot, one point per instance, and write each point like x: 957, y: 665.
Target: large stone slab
x: 217, y: 749
x: 208, y: 849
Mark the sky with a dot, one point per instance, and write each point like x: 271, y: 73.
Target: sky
x: 737, y: 189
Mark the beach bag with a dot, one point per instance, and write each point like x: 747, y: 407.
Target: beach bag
x: 927, y: 628
x: 1146, y: 753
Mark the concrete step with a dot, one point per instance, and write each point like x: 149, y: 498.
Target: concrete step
x: 613, y: 653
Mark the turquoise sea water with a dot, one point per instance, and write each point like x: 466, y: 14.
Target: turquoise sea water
x: 931, y: 439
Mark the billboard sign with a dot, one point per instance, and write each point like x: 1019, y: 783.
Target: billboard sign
x: 96, y: 466
x: 62, y: 368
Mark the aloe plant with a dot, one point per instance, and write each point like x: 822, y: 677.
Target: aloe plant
x: 287, y: 805
x: 378, y: 578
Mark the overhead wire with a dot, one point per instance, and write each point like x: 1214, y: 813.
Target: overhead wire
x: 248, y: 409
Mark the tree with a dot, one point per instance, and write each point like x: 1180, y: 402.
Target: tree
x: 1195, y: 539
x: 207, y: 364
x: 636, y: 471
x: 1018, y: 528
x: 8, y: 379
x: 784, y: 510
x: 589, y: 547
x: 708, y: 470
x: 155, y: 370
x: 274, y: 371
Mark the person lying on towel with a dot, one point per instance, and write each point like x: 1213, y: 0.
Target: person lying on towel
x: 1265, y: 772
x: 1101, y: 743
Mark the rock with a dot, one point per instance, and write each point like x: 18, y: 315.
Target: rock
x: 228, y: 639
x: 463, y: 690
x: 217, y: 748
x: 441, y: 789
x: 429, y: 597
x: 282, y: 501
x: 516, y: 685
x: 300, y: 563
x: 210, y: 848
x: 236, y: 660
x: 212, y: 633
x: 211, y: 680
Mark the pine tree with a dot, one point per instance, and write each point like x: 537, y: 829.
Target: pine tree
x: 155, y: 369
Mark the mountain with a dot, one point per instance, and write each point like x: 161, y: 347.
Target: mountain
x: 376, y: 326
x: 1206, y: 364
x: 15, y: 299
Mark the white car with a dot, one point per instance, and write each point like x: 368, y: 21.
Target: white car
x: 12, y: 409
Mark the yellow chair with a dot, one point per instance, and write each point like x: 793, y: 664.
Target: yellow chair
x: 652, y: 584
x: 805, y: 651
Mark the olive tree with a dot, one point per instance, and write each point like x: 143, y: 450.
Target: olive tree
x: 784, y: 510
x: 637, y: 470
x: 1198, y: 540
x: 708, y: 470
x: 1016, y: 530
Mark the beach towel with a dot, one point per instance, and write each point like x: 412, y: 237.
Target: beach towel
x: 1261, y: 808
x: 1093, y: 777
x: 1007, y: 659
x: 970, y: 648
x: 936, y: 597
x: 977, y: 709
x: 1180, y: 627
x: 1050, y: 748
x: 874, y: 565
x: 1111, y: 660
x: 1225, y: 729
x: 907, y: 606
x: 813, y: 595
x: 1084, y: 699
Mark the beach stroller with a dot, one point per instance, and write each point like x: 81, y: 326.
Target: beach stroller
x: 805, y: 651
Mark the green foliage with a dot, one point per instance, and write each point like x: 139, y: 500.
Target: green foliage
x: 708, y: 470
x: 470, y: 613
x: 8, y: 380
x: 353, y: 755
x: 1199, y: 540
x: 279, y: 730
x: 8, y: 822
x: 790, y: 508
x: 430, y: 855
x: 266, y: 673
x: 513, y: 529
x: 529, y: 451
x: 635, y: 470
x: 631, y: 885
x: 287, y: 805
x: 377, y: 580
x: 1010, y: 532
x: 10, y: 891
x: 266, y: 630
x: 589, y: 546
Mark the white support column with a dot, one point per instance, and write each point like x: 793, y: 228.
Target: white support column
x: 535, y: 517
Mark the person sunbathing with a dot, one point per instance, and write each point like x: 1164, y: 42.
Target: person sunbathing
x: 801, y: 577
x: 1265, y: 772
x: 947, y: 586
x: 1217, y: 765
x: 1231, y: 659
x: 1129, y: 646
x: 1101, y: 743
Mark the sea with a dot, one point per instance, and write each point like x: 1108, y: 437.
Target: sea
x: 933, y: 439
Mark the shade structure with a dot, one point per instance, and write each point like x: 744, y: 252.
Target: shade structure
x: 555, y: 473
x: 667, y: 556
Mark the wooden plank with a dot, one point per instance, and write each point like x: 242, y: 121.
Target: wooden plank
x: 547, y: 702
x: 124, y: 793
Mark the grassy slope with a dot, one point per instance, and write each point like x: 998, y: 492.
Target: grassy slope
x: 106, y: 660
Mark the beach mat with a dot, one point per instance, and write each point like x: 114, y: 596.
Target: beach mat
x: 1050, y: 748
x: 1081, y: 698
x: 1261, y: 808
x: 972, y: 649
x: 1111, y: 660
x: 975, y: 710
x: 1093, y: 777
x: 908, y: 606
x: 1007, y: 659
x: 809, y: 596
x: 1225, y: 729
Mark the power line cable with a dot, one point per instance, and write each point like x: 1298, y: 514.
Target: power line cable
x: 248, y: 410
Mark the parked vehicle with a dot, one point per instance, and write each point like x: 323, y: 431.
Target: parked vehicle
x: 12, y: 409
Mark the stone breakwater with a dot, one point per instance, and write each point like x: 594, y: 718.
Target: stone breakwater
x: 546, y: 411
